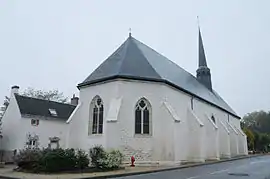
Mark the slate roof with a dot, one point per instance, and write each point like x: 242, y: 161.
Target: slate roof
x: 40, y: 107
x: 135, y: 60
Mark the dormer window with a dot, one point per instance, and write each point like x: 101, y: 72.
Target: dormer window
x: 53, y: 112
x: 34, y: 122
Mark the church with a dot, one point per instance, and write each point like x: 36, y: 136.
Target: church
x: 145, y: 105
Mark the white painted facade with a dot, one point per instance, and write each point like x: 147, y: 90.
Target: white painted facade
x: 179, y: 131
x: 17, y: 127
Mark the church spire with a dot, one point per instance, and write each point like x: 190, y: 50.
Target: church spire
x: 202, y: 58
x: 203, y: 72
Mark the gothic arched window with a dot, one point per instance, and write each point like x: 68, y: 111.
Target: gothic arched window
x: 143, y: 117
x: 96, y: 116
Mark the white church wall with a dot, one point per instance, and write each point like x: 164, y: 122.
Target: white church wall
x: 155, y: 147
x: 224, y: 134
x: 245, y: 145
x: 211, y: 139
x: 163, y: 142
x: 196, y: 143
x: 180, y: 143
x: 224, y: 140
x: 79, y: 124
x: 201, y: 108
x: 241, y: 145
x: 233, y: 140
x: 234, y: 121
x: 242, y: 142
x: 180, y: 102
x: 170, y: 139
x: 73, y: 123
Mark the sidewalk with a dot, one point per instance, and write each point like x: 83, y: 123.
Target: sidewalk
x: 8, y: 172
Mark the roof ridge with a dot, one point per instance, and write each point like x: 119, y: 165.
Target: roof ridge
x: 124, y: 56
x: 43, y: 100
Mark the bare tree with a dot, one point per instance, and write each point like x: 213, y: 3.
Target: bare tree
x: 2, y: 112
x: 6, y: 102
x: 52, y: 95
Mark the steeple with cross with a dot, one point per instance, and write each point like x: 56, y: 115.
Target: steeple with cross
x: 203, y: 72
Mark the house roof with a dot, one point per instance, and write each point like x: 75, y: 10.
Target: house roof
x: 40, y: 107
x: 135, y: 60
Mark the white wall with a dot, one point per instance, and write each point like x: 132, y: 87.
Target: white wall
x: 11, y: 126
x: 224, y: 140
x: 47, y: 128
x: 195, y: 138
x: 169, y: 140
x: 233, y: 140
x: 78, y: 129
x: 211, y: 139
x: 16, y: 128
x: 162, y: 144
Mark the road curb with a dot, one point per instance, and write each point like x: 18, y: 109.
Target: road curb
x: 7, y: 177
x: 157, y: 170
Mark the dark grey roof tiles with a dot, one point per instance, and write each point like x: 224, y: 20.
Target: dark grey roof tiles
x: 40, y: 107
x: 135, y: 60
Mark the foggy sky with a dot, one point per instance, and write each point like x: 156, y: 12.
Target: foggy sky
x: 56, y: 44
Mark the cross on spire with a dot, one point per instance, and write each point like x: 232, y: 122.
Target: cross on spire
x: 129, y: 32
x: 198, y: 22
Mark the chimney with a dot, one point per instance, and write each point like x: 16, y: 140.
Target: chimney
x: 15, y: 90
x: 74, y: 100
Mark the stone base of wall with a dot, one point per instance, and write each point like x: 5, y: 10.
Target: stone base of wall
x: 225, y: 156
x: 139, y: 154
x: 196, y: 160
x: 212, y: 159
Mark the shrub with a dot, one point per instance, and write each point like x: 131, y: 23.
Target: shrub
x: 28, y: 158
x: 51, y: 160
x: 113, y: 160
x: 101, y: 159
x: 97, y: 156
x: 58, y: 160
x: 82, y: 159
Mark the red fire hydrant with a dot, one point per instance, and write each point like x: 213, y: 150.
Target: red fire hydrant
x: 132, y: 161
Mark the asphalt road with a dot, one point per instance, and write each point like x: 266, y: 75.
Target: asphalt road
x: 252, y: 168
